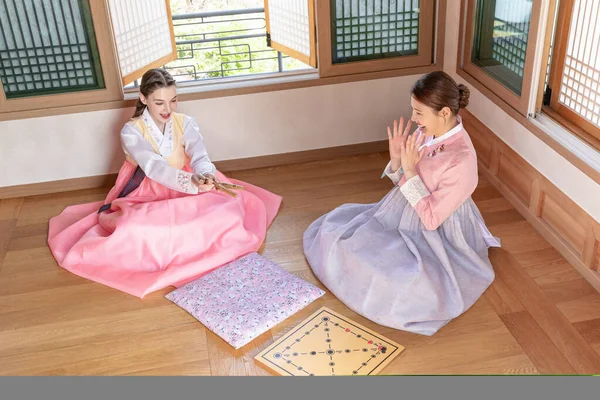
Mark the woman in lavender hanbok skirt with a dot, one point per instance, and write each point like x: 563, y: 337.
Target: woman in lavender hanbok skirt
x: 419, y: 257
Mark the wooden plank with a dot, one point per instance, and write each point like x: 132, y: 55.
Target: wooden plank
x: 563, y: 224
x: 60, y: 186
x: 568, y: 290
x: 6, y: 229
x: 227, y: 361
x: 516, y: 175
x: 536, y: 344
x: 10, y: 208
x: 536, y: 201
x: 39, y: 209
x: 501, y: 297
x: 159, y: 349
x: 558, y: 328
x: 478, y: 337
x: 29, y: 237
x: 547, y: 274
x: 109, y: 344
x: 502, y: 217
x: 591, y: 247
x: 583, y: 308
x: 589, y: 330
x: 9, y: 214
x: 564, y: 216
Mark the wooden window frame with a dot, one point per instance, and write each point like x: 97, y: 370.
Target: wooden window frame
x: 112, y: 91
x: 137, y: 74
x: 311, y: 59
x: 428, y: 43
x: 557, y: 111
x: 475, y: 75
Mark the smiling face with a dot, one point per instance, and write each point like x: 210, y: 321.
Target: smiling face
x: 431, y: 122
x: 161, y: 103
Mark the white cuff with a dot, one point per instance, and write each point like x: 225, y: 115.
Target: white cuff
x: 414, y: 190
x: 394, y: 176
x: 206, y: 169
x: 184, y: 182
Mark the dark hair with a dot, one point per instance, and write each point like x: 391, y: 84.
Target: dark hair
x: 153, y: 79
x: 438, y: 90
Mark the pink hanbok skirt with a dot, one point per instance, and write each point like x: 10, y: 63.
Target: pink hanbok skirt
x: 156, y: 237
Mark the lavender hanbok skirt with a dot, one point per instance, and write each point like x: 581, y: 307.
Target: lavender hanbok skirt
x: 380, y: 261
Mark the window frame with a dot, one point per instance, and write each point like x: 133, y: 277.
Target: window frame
x: 112, y: 91
x: 576, y: 123
x: 138, y: 73
x: 429, y: 43
x: 475, y: 75
x: 310, y: 59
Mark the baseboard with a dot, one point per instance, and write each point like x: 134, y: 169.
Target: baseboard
x: 108, y: 180
x: 565, y: 225
x: 64, y: 185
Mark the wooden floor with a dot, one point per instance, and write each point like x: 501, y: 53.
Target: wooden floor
x: 539, y: 316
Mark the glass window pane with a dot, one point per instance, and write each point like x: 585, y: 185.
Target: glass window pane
x: 500, y: 40
x: 369, y: 29
x: 47, y: 35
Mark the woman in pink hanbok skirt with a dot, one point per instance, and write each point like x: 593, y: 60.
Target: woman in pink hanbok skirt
x: 163, y: 223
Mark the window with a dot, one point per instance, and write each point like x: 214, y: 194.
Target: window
x: 366, y: 31
x: 291, y: 28
x: 50, y: 50
x: 366, y: 36
x: 499, y: 45
x: 573, y: 90
x: 229, y: 43
x: 497, y: 51
x: 500, y: 42
x: 145, y: 41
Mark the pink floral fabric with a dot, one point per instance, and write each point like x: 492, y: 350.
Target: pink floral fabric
x: 245, y: 298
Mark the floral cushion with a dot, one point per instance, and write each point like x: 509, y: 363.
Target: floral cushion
x: 245, y: 298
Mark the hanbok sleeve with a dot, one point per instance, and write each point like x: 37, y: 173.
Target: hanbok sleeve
x: 195, y: 149
x: 394, y: 176
x: 154, y: 165
x: 455, y: 186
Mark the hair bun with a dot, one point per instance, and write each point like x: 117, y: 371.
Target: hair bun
x: 464, y: 93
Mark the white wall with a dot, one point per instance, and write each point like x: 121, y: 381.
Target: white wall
x: 87, y: 144
x: 570, y: 180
